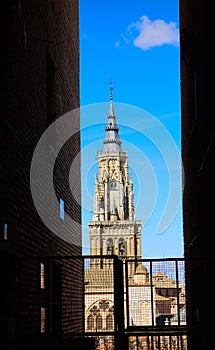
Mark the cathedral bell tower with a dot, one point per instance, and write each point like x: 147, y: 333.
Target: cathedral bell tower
x: 114, y: 229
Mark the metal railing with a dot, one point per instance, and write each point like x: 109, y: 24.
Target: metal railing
x: 114, y: 303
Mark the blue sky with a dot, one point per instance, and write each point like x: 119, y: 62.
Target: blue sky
x: 136, y: 44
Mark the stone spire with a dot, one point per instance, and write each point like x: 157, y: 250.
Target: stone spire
x: 111, y: 113
x: 112, y: 142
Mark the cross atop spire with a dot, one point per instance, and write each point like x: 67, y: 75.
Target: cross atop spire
x: 111, y: 83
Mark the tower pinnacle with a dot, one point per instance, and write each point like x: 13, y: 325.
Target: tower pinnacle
x: 112, y: 142
x: 111, y: 111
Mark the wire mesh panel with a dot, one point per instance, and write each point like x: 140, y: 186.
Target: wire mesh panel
x: 99, y: 294
x: 104, y: 301
x: 168, y: 279
x: 155, y: 293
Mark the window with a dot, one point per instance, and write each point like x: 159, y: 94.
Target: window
x: 109, y: 322
x: 42, y: 276
x: 113, y: 185
x: 61, y: 208
x: 42, y: 320
x: 104, y: 305
x: 101, y: 316
x: 90, y: 323
x: 109, y: 246
x: 5, y: 232
x: 122, y: 246
x: 98, y: 322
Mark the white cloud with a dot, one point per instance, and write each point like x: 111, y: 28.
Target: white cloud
x: 147, y: 34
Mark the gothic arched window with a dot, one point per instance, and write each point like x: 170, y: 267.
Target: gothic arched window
x: 109, y: 322
x: 122, y: 246
x: 109, y: 246
x: 113, y: 185
x: 90, y: 323
x: 98, y: 322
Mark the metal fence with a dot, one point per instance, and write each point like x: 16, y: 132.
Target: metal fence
x: 155, y: 302
x: 108, y: 302
x: 155, y: 293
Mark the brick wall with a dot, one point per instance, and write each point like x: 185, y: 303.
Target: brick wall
x: 40, y: 83
x: 198, y: 152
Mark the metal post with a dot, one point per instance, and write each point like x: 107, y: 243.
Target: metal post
x: 120, y: 338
